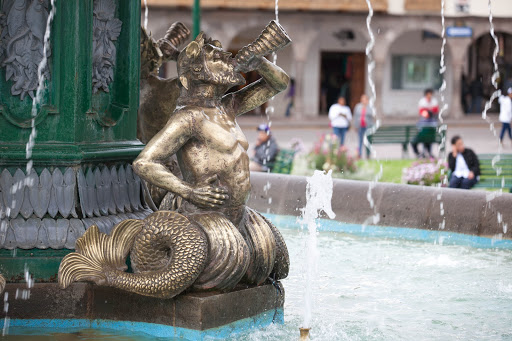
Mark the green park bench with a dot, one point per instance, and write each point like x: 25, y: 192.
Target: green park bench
x: 488, y: 177
x: 284, y: 161
x: 405, y: 134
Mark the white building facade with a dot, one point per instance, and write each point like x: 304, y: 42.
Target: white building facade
x: 327, y: 57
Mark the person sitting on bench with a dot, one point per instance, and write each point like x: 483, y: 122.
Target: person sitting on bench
x: 265, y: 150
x: 464, y: 165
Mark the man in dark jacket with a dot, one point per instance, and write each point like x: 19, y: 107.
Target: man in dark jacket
x: 265, y: 150
x: 464, y: 165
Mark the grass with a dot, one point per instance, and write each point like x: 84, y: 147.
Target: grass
x: 367, y: 170
x: 391, y: 169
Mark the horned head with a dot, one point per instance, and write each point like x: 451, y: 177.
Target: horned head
x: 191, y: 60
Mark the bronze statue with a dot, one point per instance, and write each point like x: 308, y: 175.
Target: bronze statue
x: 212, y: 241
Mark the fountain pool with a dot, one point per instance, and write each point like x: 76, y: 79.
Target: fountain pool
x: 382, y: 284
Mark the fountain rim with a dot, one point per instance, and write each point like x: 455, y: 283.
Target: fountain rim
x: 471, y: 213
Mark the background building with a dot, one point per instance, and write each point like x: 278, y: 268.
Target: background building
x: 328, y: 57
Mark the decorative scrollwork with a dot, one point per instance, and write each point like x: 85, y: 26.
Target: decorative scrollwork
x: 22, y: 28
x: 106, y: 30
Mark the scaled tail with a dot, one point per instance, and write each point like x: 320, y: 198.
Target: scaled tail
x: 98, y: 254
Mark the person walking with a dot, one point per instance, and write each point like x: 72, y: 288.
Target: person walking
x: 291, y: 96
x: 476, y: 89
x: 505, y: 114
x: 340, y: 116
x: 363, y: 119
x: 463, y: 164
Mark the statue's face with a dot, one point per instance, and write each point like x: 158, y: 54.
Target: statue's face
x: 220, y: 67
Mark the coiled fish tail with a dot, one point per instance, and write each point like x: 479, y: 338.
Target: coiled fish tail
x: 97, y: 254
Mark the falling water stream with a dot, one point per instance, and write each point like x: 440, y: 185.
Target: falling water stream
x: 269, y: 110
x: 36, y: 105
x: 371, y: 67
x: 444, y: 106
x: 488, y: 105
x: 146, y: 13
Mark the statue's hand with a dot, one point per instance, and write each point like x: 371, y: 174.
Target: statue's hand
x: 250, y: 65
x: 208, y: 196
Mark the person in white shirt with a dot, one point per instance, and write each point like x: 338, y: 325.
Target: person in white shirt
x: 340, y: 116
x: 463, y: 164
x: 505, y: 114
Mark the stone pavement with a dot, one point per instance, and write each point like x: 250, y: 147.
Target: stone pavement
x: 473, y: 129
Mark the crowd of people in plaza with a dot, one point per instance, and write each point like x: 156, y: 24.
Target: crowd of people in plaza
x: 463, y: 163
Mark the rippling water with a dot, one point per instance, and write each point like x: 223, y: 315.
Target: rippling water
x: 384, y: 289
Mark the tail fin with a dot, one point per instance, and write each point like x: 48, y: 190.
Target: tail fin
x: 96, y: 253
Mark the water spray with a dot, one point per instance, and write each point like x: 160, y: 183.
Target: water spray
x: 318, y: 198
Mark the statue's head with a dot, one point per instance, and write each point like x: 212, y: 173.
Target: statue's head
x: 204, y: 61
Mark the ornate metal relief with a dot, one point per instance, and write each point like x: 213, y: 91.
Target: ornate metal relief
x: 40, y: 210
x: 106, y: 30
x: 22, y: 28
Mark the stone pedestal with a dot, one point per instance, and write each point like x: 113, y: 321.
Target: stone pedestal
x: 193, y: 316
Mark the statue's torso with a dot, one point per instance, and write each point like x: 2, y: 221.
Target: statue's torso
x: 219, y: 147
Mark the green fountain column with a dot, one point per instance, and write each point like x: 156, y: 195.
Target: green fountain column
x: 86, y: 127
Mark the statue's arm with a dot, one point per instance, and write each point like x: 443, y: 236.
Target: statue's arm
x: 151, y: 162
x: 273, y: 81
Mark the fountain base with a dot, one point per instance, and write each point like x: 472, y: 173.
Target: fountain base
x: 193, y: 316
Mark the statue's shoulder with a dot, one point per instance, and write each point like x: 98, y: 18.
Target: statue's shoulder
x: 188, y: 111
x: 190, y: 116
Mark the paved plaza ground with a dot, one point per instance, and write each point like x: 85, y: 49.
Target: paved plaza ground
x: 473, y: 129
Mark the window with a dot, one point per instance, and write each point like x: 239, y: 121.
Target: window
x: 411, y: 72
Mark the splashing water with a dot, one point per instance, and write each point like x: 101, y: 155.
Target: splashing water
x: 146, y: 12
x: 318, y: 198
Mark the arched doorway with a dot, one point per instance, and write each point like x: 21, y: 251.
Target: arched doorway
x: 477, y: 85
x: 342, y: 67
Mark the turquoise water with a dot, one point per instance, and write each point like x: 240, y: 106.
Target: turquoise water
x: 381, y: 288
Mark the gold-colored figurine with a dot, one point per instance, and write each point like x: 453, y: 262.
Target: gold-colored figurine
x: 212, y: 241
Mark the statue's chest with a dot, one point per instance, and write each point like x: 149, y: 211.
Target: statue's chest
x: 223, y: 134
